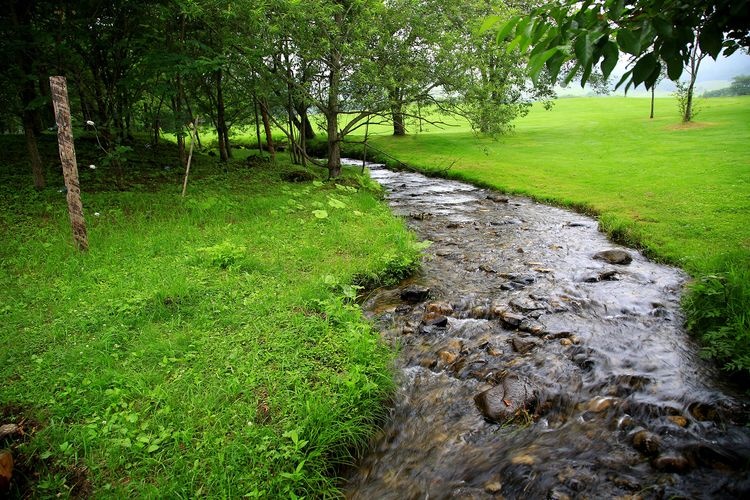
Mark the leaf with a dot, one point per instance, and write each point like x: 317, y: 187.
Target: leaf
x: 334, y: 203
x: 584, y: 48
x: 644, y: 68
x: 624, y: 78
x: 489, y: 23
x: 506, y: 28
x: 611, y: 54
x: 710, y: 40
x: 539, y: 60
x: 152, y: 448
x: 317, y: 183
x: 674, y: 67
x: 320, y: 214
x: 628, y: 41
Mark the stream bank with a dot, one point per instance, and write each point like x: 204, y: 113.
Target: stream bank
x: 538, y: 359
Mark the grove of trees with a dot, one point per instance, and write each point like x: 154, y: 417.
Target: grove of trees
x: 156, y: 66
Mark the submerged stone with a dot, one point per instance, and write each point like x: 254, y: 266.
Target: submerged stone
x: 614, y: 256
x: 507, y: 400
x: 415, y: 293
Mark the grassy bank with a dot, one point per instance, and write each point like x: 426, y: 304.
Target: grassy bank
x: 205, y: 346
x: 679, y: 192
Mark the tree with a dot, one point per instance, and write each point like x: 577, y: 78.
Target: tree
x: 593, y: 32
x: 494, y: 88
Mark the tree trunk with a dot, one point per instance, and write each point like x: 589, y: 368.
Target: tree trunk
x: 68, y: 160
x: 397, y: 114
x: 653, y: 94
x: 257, y: 122
x: 303, y: 124
x: 225, y: 151
x: 332, y: 112
x: 36, y: 160
x: 267, y: 127
x: 334, y: 146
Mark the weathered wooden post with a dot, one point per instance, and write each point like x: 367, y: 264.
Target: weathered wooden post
x: 68, y: 158
x: 193, y: 134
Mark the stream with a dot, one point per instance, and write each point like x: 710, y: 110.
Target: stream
x: 536, y: 359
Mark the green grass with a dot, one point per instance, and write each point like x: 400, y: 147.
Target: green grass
x: 680, y: 193
x: 206, y: 346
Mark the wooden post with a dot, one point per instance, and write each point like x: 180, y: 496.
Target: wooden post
x: 193, y: 134
x: 68, y: 158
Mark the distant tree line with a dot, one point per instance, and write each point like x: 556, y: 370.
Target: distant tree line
x: 740, y: 86
x: 156, y: 66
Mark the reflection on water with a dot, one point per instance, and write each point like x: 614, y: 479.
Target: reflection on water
x: 533, y: 369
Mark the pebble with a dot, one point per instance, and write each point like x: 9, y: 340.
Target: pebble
x: 493, y: 487
x: 646, y: 442
x: 9, y: 430
x: 678, y: 420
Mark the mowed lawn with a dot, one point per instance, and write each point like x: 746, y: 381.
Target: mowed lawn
x: 682, y: 192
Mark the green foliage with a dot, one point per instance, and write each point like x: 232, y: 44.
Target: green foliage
x: 740, y: 86
x: 716, y: 307
x: 684, y: 99
x: 206, y: 346
x: 590, y: 33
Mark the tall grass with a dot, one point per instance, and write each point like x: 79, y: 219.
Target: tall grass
x: 206, y: 346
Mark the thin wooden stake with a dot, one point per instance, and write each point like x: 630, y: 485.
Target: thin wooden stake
x: 193, y: 131
x: 59, y: 88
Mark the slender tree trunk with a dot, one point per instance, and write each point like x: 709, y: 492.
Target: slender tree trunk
x: 267, y: 127
x: 68, y: 160
x: 397, y: 113
x: 332, y: 112
x: 20, y: 15
x: 36, y: 161
x: 257, y: 122
x: 653, y: 95
x: 334, y: 145
x: 695, y: 62
x: 221, y: 125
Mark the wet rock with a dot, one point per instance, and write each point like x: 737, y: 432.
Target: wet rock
x: 497, y: 198
x: 566, y: 342
x: 558, y: 494
x: 704, y: 412
x: 494, y: 351
x: 525, y: 305
x: 493, y: 487
x: 487, y: 269
x: 415, y: 293
x: 478, y: 312
x: 427, y: 362
x: 8, y: 430
x: 598, y: 405
x: 435, y: 320
x: 511, y: 319
x: 614, y: 256
x: 523, y: 459
x: 407, y: 330
x: 447, y: 357
x: 610, y: 275
x: 6, y: 470
x: 511, y: 397
x: 420, y: 215
x: 678, y: 420
x: 443, y: 308
x: 533, y: 327
x: 452, y: 225
x: 671, y: 462
x: 522, y: 346
x: 646, y: 442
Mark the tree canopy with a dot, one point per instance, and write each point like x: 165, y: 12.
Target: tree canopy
x: 655, y: 33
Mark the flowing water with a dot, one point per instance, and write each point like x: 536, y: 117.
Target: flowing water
x: 528, y: 368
